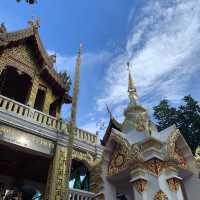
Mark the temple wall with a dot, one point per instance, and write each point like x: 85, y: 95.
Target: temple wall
x: 163, y: 185
x: 108, y: 189
x: 192, y: 187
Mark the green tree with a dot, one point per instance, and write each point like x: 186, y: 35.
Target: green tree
x: 186, y: 117
x: 165, y: 115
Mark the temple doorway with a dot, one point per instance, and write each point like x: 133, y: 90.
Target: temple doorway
x: 23, y: 174
x: 121, y: 186
x: 121, y: 196
x: 15, y: 84
x: 80, y: 176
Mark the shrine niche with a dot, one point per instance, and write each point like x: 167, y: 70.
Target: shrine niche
x: 174, y: 184
x: 140, y: 185
x: 160, y: 195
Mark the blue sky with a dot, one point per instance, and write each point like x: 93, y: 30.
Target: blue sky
x: 161, y: 38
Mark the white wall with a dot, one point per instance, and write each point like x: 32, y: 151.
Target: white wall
x: 192, y: 187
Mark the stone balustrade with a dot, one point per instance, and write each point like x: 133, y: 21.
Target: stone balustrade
x: 35, y: 116
x: 86, y: 136
x: 28, y: 113
x: 76, y: 194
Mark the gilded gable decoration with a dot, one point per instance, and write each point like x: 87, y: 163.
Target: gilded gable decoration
x: 118, y: 160
x: 173, y: 152
x: 155, y: 166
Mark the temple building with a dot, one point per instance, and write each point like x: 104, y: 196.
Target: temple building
x: 33, y: 137
x: 133, y: 161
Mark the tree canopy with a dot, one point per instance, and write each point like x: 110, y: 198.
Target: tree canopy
x: 186, y: 117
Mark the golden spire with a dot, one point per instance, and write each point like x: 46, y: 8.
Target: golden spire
x: 72, y: 124
x: 131, y: 87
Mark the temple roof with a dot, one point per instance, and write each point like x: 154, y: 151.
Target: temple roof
x: 8, y: 38
x: 113, y: 123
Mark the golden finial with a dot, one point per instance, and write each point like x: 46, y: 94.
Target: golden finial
x: 131, y: 87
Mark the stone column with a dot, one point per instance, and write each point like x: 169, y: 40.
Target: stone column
x: 174, y: 184
x: 140, y: 184
x: 2, y: 65
x: 56, y: 184
x: 33, y: 91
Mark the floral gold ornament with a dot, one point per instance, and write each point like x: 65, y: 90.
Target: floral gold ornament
x: 155, y: 165
x: 174, y: 184
x: 118, y: 160
x: 160, y: 195
x: 140, y: 185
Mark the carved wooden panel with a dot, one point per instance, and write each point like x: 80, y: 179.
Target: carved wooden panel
x: 118, y: 160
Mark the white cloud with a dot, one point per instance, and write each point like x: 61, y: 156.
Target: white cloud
x: 161, y: 46
x: 91, y: 127
x: 88, y: 60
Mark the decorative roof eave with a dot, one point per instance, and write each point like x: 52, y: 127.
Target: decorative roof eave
x: 7, y: 37
x: 113, y: 123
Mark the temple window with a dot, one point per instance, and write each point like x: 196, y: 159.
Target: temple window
x: 15, y: 84
x: 40, y: 98
x: 53, y: 108
x: 80, y: 176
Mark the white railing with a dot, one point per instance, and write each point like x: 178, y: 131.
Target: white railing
x: 86, y: 136
x: 76, y: 194
x: 31, y: 114
x: 28, y: 113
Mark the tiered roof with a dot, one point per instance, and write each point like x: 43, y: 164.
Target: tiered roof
x: 48, y: 71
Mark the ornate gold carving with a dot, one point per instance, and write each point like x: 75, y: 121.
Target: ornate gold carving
x: 22, y: 58
x: 160, y: 195
x: 174, y: 184
x: 60, y: 179
x: 140, y: 185
x: 139, y: 121
x: 120, y: 140
x: 118, y: 160
x: 134, y: 154
x: 84, y: 156
x: 24, y: 139
x: 173, y: 152
x: 155, y: 166
x: 56, y: 177
x: 197, y: 154
x: 95, y: 177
